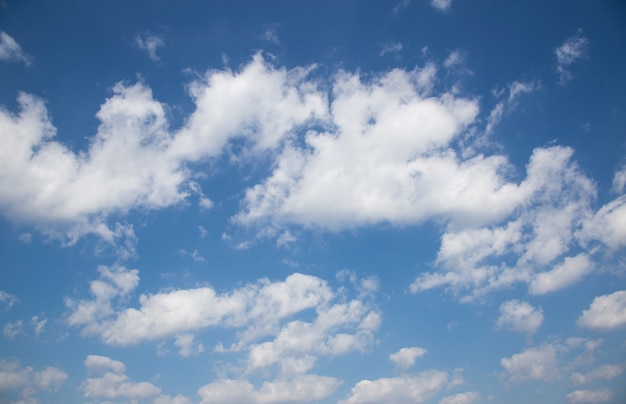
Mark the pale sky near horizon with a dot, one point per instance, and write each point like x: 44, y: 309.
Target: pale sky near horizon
x: 313, y: 202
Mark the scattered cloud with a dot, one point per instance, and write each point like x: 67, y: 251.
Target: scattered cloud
x: 405, y: 357
x: 461, y: 398
x: 391, y: 47
x: 569, y: 272
x: 187, y: 346
x: 10, y: 50
x: 298, y: 389
x: 38, y: 323
x: 604, y: 372
x: 572, y: 50
x: 401, y: 390
x: 194, y: 255
x: 271, y: 35
x: 519, y: 316
x: 508, y: 101
x: 619, y: 181
x: 400, y: 5
x: 110, y: 381
x: 606, y: 312
x: 150, y: 43
x: 549, y: 361
x: 27, y: 381
x: 455, y: 58
x: 589, y: 396
x: 12, y: 330
x: 8, y: 299
x: 442, y: 5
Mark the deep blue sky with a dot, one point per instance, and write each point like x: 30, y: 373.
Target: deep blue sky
x: 327, y: 202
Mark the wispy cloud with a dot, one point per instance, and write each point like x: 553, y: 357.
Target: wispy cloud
x: 442, y: 5
x: 390, y: 47
x: 10, y: 50
x: 150, y: 43
x: 573, y: 49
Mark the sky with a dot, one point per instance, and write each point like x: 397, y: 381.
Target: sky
x: 413, y: 201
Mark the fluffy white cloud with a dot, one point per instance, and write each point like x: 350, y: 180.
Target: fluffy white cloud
x: 589, y: 396
x: 608, y: 225
x: 461, y: 398
x: 405, y: 357
x: 150, y: 43
x: 573, y: 49
x: 619, y: 181
x: 135, y: 160
x: 187, y: 346
x: 532, y: 364
x: 570, y: 271
x: 519, y: 316
x: 386, y: 159
x: 110, y: 381
x: 405, y: 389
x: 299, y: 389
x: 533, y: 245
x: 550, y: 360
x: 10, y: 50
x: 28, y: 381
x: 606, y: 312
x: 603, y: 372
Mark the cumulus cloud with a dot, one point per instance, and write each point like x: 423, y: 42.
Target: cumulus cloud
x: 150, y: 43
x: 402, y: 390
x: 619, y: 181
x: 605, y: 313
x: 10, y: 50
x: 589, y: 396
x: 548, y: 361
x: 604, y: 372
x: 27, y: 381
x: 607, y: 225
x: 572, y: 50
x: 135, y: 160
x: 110, y: 381
x: 461, y: 398
x: 298, y: 389
x: 533, y: 245
x: 405, y: 357
x: 519, y: 316
x: 272, y: 334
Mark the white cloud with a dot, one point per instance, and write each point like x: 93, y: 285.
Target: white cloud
x: 607, y: 225
x: 532, y: 246
x: 573, y: 49
x: 12, y: 330
x: 604, y: 372
x: 461, y: 398
x: 299, y: 389
x: 455, y: 58
x: 28, y: 381
x: 38, y: 324
x: 405, y: 357
x: 150, y: 43
x: 271, y: 36
x: 532, y: 364
x: 519, y: 316
x: 569, y: 272
x: 8, y: 299
x: 391, y: 47
x: 134, y: 160
x: 387, y: 160
x: 514, y: 91
x: 187, y: 345
x: 405, y: 389
x: 606, y: 312
x: 110, y: 381
x: 619, y: 181
x: 10, y: 50
x: 550, y: 360
x: 589, y: 396
x: 443, y: 5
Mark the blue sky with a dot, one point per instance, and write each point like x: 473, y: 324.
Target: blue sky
x: 325, y: 202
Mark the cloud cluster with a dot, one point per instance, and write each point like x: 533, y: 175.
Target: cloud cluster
x: 606, y: 312
x: 519, y: 316
x: 273, y: 334
x: 108, y: 380
x: 27, y: 381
